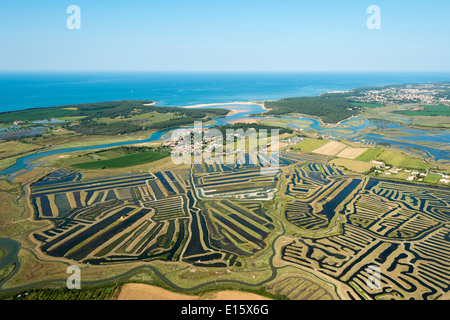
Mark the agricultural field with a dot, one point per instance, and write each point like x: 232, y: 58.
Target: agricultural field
x: 331, y: 148
x: 351, y: 153
x: 358, y: 157
x: 310, y: 145
x: 399, y: 159
x: 428, y: 110
x: 369, y: 154
x: 122, y: 161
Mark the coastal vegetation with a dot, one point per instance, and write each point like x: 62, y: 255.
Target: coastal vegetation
x: 90, y: 293
x: 126, y: 116
x: 328, y: 107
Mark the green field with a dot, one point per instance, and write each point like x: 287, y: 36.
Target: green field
x: 369, y: 154
x: 310, y: 144
x: 431, y: 110
x: 398, y: 159
x: 122, y: 162
x: 432, y: 178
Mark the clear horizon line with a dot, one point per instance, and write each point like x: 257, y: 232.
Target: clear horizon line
x: 228, y: 71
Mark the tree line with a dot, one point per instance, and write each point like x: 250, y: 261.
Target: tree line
x: 329, y: 107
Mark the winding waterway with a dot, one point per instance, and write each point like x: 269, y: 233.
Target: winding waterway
x: 242, y: 111
x: 345, y: 129
x: 24, y: 164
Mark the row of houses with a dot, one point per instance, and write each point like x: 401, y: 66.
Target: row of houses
x: 414, y: 175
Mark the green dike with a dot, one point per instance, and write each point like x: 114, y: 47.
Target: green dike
x: 122, y: 162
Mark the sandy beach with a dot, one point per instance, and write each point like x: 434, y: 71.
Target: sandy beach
x: 249, y: 120
x: 224, y: 104
x: 234, y: 111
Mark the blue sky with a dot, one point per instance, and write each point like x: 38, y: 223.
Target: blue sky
x: 225, y: 35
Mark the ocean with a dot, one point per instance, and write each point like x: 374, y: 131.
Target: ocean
x: 23, y: 90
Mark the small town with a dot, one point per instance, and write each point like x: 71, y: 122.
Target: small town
x: 411, y: 174
x: 423, y: 95
x: 186, y: 142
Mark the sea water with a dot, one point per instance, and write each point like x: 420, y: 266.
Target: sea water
x: 23, y: 90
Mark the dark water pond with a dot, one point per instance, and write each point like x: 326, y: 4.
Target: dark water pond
x: 11, y: 248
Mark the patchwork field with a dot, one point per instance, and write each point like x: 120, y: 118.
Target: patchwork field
x: 310, y: 144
